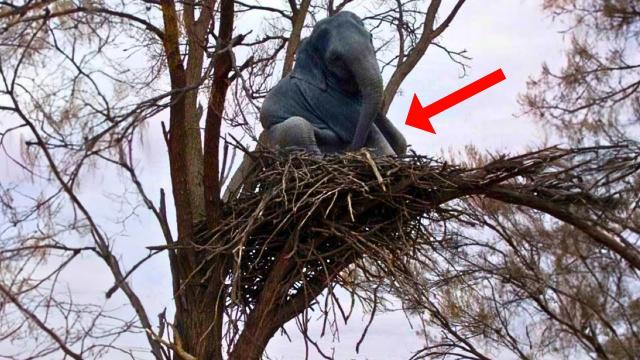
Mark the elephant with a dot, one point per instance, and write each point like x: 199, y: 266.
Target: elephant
x: 331, y: 101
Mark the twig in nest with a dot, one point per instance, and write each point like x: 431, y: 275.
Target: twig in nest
x: 375, y: 170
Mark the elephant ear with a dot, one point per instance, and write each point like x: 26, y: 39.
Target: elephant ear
x: 310, y: 67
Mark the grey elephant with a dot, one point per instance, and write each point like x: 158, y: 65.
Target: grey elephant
x: 331, y: 101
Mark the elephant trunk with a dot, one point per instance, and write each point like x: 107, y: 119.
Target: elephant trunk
x: 366, y: 72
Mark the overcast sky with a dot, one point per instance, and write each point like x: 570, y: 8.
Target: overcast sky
x: 510, y: 34
x: 514, y: 35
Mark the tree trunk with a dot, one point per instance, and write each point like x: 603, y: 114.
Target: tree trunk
x: 199, y: 311
x: 297, y: 23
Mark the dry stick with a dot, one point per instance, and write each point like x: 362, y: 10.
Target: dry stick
x: 374, y: 307
x: 176, y: 347
x: 116, y: 286
x: 99, y: 239
x: 40, y: 324
x: 419, y: 186
x: 507, y: 195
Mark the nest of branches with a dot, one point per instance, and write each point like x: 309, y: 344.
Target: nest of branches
x: 301, y: 223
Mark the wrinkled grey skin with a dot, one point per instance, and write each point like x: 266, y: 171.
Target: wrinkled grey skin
x: 331, y: 101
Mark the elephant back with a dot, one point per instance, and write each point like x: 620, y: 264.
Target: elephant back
x: 315, y: 90
x: 310, y: 66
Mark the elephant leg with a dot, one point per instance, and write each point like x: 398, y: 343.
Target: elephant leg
x: 393, y: 136
x: 329, y: 142
x: 294, y: 133
x: 378, y: 143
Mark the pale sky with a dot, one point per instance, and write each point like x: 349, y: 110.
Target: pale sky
x: 510, y: 34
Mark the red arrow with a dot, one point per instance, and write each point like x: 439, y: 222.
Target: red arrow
x: 418, y: 116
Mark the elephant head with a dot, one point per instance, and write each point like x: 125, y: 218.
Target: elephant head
x: 331, y: 101
x: 340, y: 50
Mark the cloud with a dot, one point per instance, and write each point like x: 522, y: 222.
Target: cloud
x: 513, y: 35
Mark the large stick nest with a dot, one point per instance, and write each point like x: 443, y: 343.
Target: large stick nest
x: 333, y: 213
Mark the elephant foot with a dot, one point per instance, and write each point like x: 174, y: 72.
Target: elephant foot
x: 294, y: 134
x: 377, y: 144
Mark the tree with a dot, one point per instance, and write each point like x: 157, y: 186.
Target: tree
x: 597, y: 92
x: 533, y: 254
x: 78, y: 102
